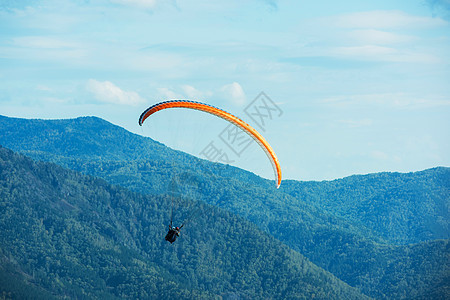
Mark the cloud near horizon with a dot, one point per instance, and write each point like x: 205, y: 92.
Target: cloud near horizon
x: 107, y: 92
x: 385, y: 19
x: 145, y: 4
x: 234, y: 92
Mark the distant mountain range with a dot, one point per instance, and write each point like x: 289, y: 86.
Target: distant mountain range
x: 385, y: 234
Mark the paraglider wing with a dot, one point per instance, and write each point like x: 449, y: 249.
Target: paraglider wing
x: 224, y: 115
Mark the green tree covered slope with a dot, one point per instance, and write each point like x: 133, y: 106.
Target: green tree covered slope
x: 65, y: 234
x: 386, y: 234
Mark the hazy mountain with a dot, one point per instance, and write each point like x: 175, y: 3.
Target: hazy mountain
x: 401, y: 208
x: 353, y: 227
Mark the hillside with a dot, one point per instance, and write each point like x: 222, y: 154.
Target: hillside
x: 401, y: 208
x: 70, y: 235
x: 353, y: 227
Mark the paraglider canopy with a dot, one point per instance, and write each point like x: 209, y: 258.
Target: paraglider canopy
x: 224, y: 115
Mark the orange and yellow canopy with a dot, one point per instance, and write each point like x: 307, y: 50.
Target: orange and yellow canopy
x: 224, y: 115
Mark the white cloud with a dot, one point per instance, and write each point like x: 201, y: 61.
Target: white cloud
x: 378, y: 37
x: 107, y: 92
x: 193, y: 93
x: 44, y: 48
x: 145, y: 4
x: 365, y: 51
x: 43, y: 88
x: 383, y: 53
x: 388, y: 100
x: 166, y: 93
x: 385, y: 19
x: 183, y: 92
x: 234, y: 92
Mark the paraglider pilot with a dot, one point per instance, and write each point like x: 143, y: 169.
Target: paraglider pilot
x: 173, y: 233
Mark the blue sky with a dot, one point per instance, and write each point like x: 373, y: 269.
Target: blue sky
x: 363, y: 86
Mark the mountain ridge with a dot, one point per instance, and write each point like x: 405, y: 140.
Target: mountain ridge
x: 327, y: 235
x: 77, y: 236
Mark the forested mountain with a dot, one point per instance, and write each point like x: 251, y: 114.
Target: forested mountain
x: 401, y: 208
x: 64, y: 234
x: 359, y: 228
